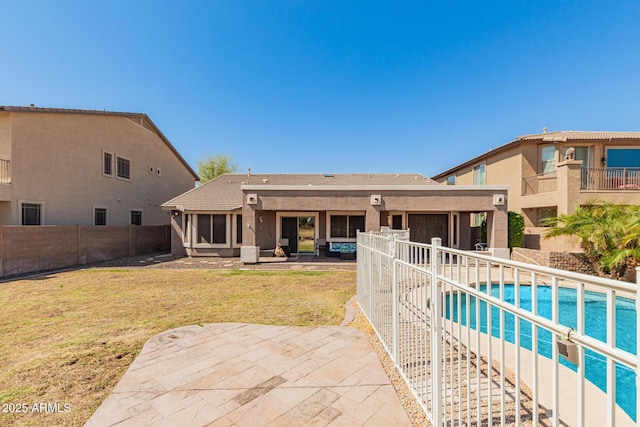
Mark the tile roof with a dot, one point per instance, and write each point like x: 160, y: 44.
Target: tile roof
x: 144, y: 121
x: 570, y: 135
x: 224, y: 192
x: 559, y: 136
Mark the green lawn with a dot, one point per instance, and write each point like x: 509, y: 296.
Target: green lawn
x: 68, y: 338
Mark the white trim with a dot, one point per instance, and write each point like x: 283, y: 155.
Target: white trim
x: 329, y: 214
x: 289, y: 214
x: 336, y: 188
x: 31, y: 202
x: 118, y: 156
x: 93, y: 212
x: 194, y: 235
x: 102, y: 163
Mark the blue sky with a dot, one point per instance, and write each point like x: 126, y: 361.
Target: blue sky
x: 331, y: 86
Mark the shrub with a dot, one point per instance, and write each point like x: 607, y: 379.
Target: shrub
x: 516, y: 230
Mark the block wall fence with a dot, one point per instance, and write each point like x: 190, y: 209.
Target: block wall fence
x: 30, y: 249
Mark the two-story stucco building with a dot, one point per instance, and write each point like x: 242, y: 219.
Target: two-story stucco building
x: 551, y: 173
x: 85, y: 167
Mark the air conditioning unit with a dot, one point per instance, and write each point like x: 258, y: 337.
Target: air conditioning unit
x: 252, y: 199
x: 376, y: 200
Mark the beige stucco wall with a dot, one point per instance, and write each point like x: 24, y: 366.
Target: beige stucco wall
x: 57, y: 159
x: 505, y: 168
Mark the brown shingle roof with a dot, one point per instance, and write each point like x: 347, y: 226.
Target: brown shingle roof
x: 144, y: 121
x: 559, y: 136
x: 224, y: 192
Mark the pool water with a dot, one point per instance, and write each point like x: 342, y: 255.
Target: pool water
x: 595, y: 326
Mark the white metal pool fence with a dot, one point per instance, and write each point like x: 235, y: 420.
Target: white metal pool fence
x: 429, y: 305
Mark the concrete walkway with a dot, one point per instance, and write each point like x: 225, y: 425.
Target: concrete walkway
x: 254, y: 375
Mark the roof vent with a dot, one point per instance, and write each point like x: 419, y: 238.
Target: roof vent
x: 265, y: 180
x: 32, y: 106
x: 544, y: 130
x: 248, y: 171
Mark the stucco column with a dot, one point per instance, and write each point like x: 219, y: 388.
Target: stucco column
x: 569, y: 177
x: 498, y: 231
x: 372, y: 219
x: 249, y: 220
x: 249, y: 252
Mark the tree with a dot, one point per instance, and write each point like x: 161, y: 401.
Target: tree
x: 609, y: 235
x: 213, y: 166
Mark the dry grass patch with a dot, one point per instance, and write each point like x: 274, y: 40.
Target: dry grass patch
x: 69, y: 337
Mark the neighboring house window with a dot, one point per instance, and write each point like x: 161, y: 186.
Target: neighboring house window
x: 100, y: 216
x: 545, y: 213
x: 451, y: 180
x: 31, y: 214
x: 478, y: 218
x: 107, y: 164
x: 479, y: 174
x: 136, y: 217
x: 212, y: 229
x: 239, y: 229
x: 346, y: 225
x: 123, y: 168
x: 623, y: 157
x: 547, y: 159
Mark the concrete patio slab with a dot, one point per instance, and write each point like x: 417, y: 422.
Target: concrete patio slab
x: 234, y: 374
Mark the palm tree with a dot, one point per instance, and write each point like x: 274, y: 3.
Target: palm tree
x: 609, y: 235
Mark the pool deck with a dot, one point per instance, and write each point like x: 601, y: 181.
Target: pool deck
x: 254, y: 375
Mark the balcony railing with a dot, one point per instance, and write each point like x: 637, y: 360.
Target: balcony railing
x: 541, y: 183
x: 610, y: 179
x: 5, y: 171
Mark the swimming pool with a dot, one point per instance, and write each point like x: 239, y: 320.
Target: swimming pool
x: 595, y: 326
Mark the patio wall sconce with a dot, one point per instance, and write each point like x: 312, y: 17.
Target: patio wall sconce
x: 603, y: 160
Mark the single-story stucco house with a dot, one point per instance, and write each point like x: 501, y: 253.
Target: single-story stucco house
x: 242, y: 214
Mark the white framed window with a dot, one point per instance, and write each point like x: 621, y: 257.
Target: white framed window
x: 31, y: 212
x: 100, y: 215
x: 123, y: 168
x: 480, y: 174
x: 211, y: 230
x: 136, y: 217
x: 107, y: 164
x: 547, y: 159
x: 344, y: 225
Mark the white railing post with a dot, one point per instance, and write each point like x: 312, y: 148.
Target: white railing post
x: 394, y: 297
x: 436, y: 334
